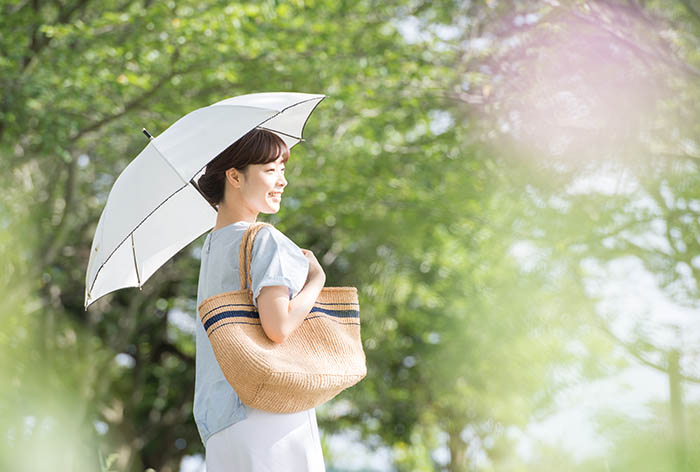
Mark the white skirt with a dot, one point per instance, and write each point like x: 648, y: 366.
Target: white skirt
x: 265, y: 442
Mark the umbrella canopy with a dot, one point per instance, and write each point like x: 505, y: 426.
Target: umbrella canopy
x: 154, y: 210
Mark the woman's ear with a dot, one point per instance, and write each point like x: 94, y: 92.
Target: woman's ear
x: 233, y: 177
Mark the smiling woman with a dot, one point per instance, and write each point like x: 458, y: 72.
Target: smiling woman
x: 253, y: 164
x: 244, y: 180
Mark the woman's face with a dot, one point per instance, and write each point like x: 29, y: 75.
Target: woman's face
x: 263, y: 185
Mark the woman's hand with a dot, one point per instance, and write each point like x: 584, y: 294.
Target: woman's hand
x: 315, y: 269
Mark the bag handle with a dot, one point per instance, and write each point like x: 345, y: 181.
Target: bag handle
x: 245, y: 254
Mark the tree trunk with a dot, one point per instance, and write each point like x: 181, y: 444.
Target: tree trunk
x: 677, y: 420
x: 458, y: 452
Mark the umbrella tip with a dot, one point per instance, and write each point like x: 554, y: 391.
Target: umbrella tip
x: 148, y: 135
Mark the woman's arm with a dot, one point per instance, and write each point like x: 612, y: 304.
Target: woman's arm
x: 279, y: 315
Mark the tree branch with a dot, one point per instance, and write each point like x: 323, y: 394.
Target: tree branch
x: 687, y: 68
x: 690, y: 157
x: 131, y: 105
x: 17, y: 8
x: 141, y: 99
x: 40, y: 40
x: 632, y: 350
x: 65, y: 15
x: 60, y: 232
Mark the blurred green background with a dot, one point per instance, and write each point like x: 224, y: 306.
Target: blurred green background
x: 512, y: 186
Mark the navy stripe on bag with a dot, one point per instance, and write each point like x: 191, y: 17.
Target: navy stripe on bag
x: 347, y: 313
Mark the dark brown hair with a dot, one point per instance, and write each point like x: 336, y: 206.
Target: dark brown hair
x: 258, y: 146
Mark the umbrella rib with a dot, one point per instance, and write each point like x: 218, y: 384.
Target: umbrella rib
x: 263, y: 108
x: 292, y: 106
x: 303, y: 101
x: 305, y: 121
x: 138, y: 276
x: 280, y: 132
x: 136, y: 266
x: 309, y: 115
x: 268, y: 119
x: 167, y: 161
x: 92, y: 285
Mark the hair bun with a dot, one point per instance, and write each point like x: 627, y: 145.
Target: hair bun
x: 212, y: 190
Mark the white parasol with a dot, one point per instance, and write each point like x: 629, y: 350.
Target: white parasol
x: 154, y: 210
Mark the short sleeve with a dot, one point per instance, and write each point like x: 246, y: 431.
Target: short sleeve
x: 276, y: 260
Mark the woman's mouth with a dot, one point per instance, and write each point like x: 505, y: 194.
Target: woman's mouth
x: 276, y: 195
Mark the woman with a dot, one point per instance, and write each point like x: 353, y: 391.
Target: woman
x: 245, y: 179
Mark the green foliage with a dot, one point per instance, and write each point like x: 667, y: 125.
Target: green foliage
x: 464, y: 336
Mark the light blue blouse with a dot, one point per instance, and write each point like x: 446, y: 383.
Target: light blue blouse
x: 276, y: 260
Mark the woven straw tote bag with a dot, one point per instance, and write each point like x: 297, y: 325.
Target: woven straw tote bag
x: 320, y: 359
